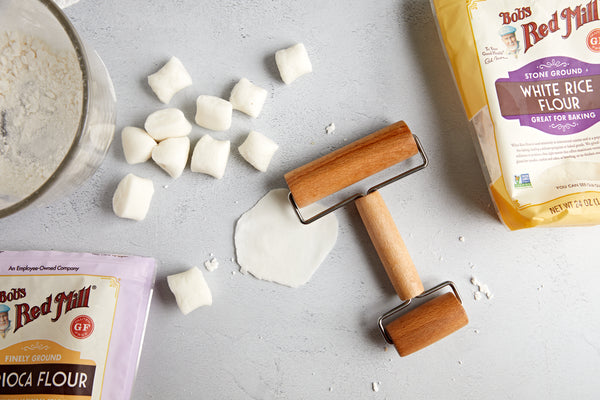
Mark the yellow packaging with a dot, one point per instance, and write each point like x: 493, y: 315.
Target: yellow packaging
x: 528, y: 75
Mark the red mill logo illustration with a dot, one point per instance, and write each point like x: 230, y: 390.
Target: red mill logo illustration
x: 65, y: 302
x: 569, y: 18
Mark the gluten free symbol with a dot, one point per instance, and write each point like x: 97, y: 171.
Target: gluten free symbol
x: 82, y: 327
x: 593, y: 40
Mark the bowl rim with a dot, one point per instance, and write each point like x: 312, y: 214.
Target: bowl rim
x: 84, y: 66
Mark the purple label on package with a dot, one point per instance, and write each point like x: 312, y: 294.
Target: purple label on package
x: 556, y: 95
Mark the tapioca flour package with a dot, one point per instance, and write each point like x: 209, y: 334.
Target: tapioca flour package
x: 71, y: 324
x: 529, y: 76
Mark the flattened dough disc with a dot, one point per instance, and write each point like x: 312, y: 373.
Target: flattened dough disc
x: 273, y: 245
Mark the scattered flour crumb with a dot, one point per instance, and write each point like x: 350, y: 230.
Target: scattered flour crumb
x: 375, y: 386
x: 481, y: 289
x: 487, y: 291
x: 331, y: 389
x: 461, y: 238
x: 476, y: 330
x: 329, y: 129
x: 459, y: 362
x: 211, y: 264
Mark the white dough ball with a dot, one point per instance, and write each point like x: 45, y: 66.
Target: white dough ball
x: 190, y: 289
x: 167, y: 123
x: 213, y: 113
x: 258, y: 150
x: 170, y: 79
x: 172, y: 155
x: 210, y: 156
x: 293, y: 62
x: 132, y: 197
x: 137, y: 145
x: 248, y: 97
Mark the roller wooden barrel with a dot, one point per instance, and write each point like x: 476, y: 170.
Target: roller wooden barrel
x: 426, y: 324
x: 351, y: 164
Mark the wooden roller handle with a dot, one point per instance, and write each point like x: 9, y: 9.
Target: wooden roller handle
x: 350, y: 164
x: 427, y: 324
x: 389, y: 245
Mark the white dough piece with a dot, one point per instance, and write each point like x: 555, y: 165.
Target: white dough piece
x: 170, y: 79
x: 172, y: 155
x: 190, y: 289
x: 167, y: 123
x: 213, y: 113
x: 132, y: 197
x: 210, y: 156
x: 258, y: 150
x: 329, y: 129
x: 212, y: 264
x: 293, y: 62
x: 273, y: 245
x: 248, y: 97
x: 137, y: 145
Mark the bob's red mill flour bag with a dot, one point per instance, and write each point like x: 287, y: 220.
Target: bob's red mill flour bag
x: 529, y: 76
x: 71, y: 325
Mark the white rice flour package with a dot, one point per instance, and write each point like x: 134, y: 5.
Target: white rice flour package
x: 529, y: 76
x: 71, y: 324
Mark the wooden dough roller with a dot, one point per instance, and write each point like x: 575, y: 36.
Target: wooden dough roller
x: 318, y: 179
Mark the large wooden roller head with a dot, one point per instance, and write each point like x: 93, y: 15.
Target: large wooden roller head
x: 351, y: 164
x: 426, y: 324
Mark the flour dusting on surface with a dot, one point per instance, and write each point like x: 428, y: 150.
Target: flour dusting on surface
x: 482, y: 289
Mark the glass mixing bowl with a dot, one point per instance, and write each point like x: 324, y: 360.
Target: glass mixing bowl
x: 41, y: 159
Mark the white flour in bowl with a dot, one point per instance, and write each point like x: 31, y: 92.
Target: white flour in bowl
x: 41, y: 92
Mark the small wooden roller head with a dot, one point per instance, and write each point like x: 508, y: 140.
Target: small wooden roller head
x: 426, y: 324
x: 350, y: 164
